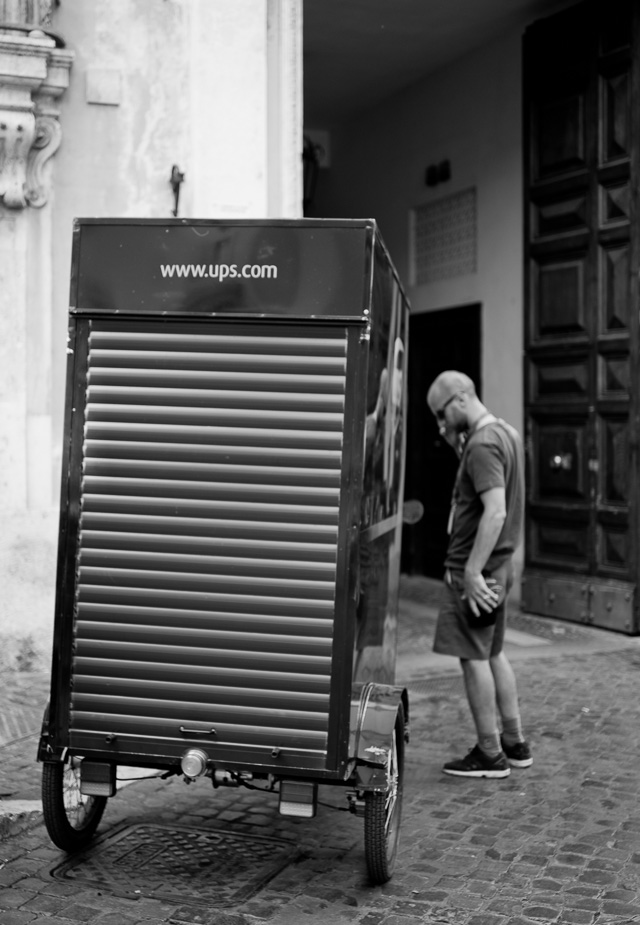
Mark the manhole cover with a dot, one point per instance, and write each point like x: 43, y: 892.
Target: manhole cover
x: 179, y: 864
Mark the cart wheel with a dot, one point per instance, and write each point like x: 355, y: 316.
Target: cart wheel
x: 71, y: 817
x: 383, y: 811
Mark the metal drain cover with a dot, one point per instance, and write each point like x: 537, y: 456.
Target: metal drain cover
x: 179, y: 864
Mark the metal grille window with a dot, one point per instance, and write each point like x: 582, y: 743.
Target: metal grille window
x: 445, y: 238
x: 208, y: 537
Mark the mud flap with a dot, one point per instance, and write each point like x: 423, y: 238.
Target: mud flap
x: 374, y: 708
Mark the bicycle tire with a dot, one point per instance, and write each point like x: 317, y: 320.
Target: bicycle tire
x: 71, y: 818
x: 383, y: 813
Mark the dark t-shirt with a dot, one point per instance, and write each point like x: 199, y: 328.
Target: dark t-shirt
x: 493, y: 458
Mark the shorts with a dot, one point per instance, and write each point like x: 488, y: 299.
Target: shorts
x: 456, y: 633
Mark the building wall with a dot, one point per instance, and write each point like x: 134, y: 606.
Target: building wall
x: 157, y: 83
x: 468, y: 114
x: 212, y: 86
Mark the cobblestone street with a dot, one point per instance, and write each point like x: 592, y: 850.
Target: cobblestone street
x: 559, y: 842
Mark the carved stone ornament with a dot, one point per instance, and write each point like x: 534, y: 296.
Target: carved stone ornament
x: 34, y: 73
x: 48, y: 135
x: 34, y: 12
x: 17, y: 130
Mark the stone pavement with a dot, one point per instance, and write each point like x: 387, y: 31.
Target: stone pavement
x: 559, y: 842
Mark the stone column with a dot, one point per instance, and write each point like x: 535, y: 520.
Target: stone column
x: 245, y: 95
x: 284, y: 105
x: 34, y: 72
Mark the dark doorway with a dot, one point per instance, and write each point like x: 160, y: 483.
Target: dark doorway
x: 447, y: 339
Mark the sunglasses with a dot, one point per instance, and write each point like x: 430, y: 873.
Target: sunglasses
x: 440, y: 412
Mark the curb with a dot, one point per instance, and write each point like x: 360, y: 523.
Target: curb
x: 18, y: 816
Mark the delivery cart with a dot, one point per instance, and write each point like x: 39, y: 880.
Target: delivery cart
x: 231, y: 519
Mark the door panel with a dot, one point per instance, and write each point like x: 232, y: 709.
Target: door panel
x: 615, y: 455
x: 582, y: 124
x: 615, y: 287
x: 616, y: 134
x: 559, y: 379
x: 615, y: 203
x: 560, y: 143
x: 559, y: 301
x: 615, y: 376
x: 559, y: 215
x: 560, y: 472
x: 555, y: 543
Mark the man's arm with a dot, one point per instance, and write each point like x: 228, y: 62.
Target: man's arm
x: 479, y: 595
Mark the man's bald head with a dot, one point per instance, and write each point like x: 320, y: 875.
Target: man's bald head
x: 448, y: 383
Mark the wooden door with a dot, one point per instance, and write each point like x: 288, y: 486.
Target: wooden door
x: 447, y: 339
x: 581, y: 121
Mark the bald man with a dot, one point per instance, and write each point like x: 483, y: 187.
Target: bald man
x: 485, y: 526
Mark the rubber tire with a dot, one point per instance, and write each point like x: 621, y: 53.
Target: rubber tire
x: 71, y: 824
x: 383, y: 814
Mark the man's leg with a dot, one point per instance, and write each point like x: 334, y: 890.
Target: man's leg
x: 505, y: 686
x: 481, y: 694
x: 486, y: 759
x: 455, y: 636
x: 517, y: 751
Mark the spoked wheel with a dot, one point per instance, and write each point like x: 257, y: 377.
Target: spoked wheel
x: 71, y: 817
x: 383, y: 812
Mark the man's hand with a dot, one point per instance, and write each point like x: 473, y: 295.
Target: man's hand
x: 478, y: 593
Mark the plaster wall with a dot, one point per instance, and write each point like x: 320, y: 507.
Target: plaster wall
x: 212, y: 86
x: 470, y: 114
x: 156, y: 83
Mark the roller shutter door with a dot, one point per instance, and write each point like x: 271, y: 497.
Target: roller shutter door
x: 206, y: 562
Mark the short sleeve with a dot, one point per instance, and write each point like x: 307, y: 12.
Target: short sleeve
x: 485, y: 467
